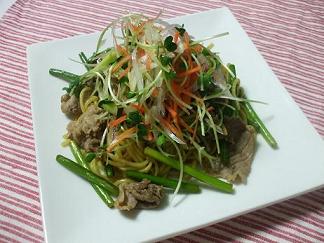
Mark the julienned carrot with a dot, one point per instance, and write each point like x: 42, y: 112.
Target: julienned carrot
x: 150, y: 136
x: 176, y: 37
x: 140, y: 52
x: 186, y: 40
x: 139, y: 108
x: 170, y: 127
x: 190, y: 71
x: 197, y: 48
x: 117, y: 121
x: 155, y: 92
x: 124, y: 73
x: 122, y: 50
x: 121, y: 137
x: 138, y: 28
x: 172, y: 112
x: 148, y: 62
x: 121, y: 63
x: 185, y: 125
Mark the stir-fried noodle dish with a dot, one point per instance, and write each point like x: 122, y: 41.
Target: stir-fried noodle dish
x: 157, y: 111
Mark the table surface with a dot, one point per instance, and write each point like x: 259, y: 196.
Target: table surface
x: 289, y: 34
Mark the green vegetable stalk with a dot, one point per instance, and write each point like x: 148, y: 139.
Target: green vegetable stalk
x: 103, y: 194
x: 169, y: 183
x: 198, y: 174
x: 87, y: 175
x: 254, y: 119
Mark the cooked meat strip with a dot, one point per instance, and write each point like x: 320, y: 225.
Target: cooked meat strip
x: 241, y: 158
x: 88, y: 129
x: 235, y: 127
x: 70, y: 106
x: 142, y: 194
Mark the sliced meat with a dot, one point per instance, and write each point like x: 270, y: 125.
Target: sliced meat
x: 241, y: 158
x: 70, y: 106
x: 139, y: 195
x: 88, y: 129
x: 235, y: 127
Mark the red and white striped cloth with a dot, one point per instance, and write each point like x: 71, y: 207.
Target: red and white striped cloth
x: 289, y: 34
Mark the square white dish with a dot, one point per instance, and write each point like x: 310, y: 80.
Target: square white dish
x: 72, y: 212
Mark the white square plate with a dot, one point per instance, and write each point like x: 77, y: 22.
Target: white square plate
x: 72, y: 212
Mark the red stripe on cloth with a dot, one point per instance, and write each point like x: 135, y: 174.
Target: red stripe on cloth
x: 23, y: 233
x: 13, y: 140
x: 4, y: 239
x: 263, y: 226
x: 21, y: 217
x: 32, y: 207
x: 15, y: 176
x: 18, y: 205
x: 213, y: 234
x: 15, y: 131
x: 17, y: 152
x: 18, y: 165
x: 19, y: 191
x: 284, y: 221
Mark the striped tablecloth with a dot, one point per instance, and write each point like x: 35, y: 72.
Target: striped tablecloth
x: 289, y: 34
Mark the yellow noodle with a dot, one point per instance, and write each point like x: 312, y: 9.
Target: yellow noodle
x: 156, y: 168
x: 133, y: 152
x: 123, y: 181
x: 147, y: 168
x: 83, y: 98
x: 122, y: 162
x: 90, y: 100
x: 65, y: 142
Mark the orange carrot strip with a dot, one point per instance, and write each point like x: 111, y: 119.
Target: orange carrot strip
x: 172, y: 112
x: 124, y: 73
x: 170, y: 127
x: 176, y: 37
x: 197, y: 48
x: 186, y: 40
x: 155, y: 92
x: 139, y: 108
x: 140, y: 52
x: 120, y: 63
x: 121, y: 137
x: 122, y: 50
x: 185, y: 125
x: 150, y: 136
x: 148, y: 62
x: 190, y: 71
x: 117, y: 121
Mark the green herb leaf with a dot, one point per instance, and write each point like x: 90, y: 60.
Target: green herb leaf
x: 123, y: 80
x: 169, y: 44
x: 130, y: 94
x: 165, y: 60
x: 108, y: 106
x: 133, y: 118
x: 232, y: 68
x: 109, y: 170
x: 170, y: 75
x: 160, y: 140
x: 204, y: 81
x: 141, y: 131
